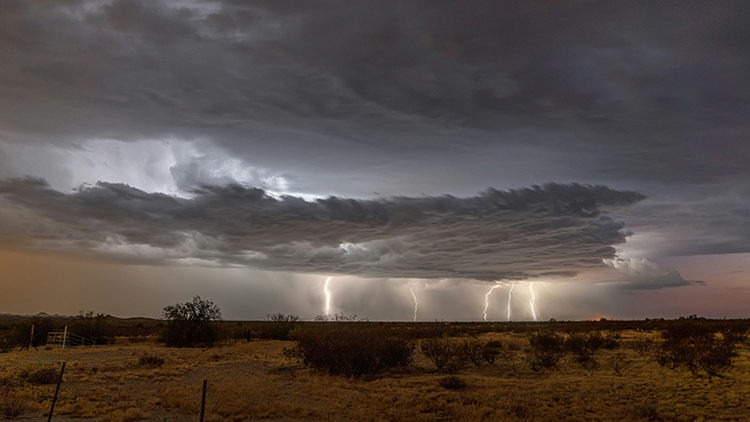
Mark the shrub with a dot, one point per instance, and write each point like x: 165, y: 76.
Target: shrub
x: 452, y: 382
x: 350, y: 351
x: 583, y: 346
x: 96, y: 327
x: 692, y: 345
x: 42, y: 376
x: 12, y: 405
x: 445, y: 352
x: 21, y: 333
x: 618, y: 362
x: 150, y: 361
x: 642, y: 345
x: 192, y: 324
x: 277, y: 327
x: 546, y: 348
x: 612, y: 340
x: 647, y: 411
x: 473, y: 349
x: 491, y: 350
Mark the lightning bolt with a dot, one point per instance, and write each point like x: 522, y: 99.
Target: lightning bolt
x: 416, y: 304
x: 509, y: 297
x: 328, y: 296
x: 533, y: 299
x: 487, y: 301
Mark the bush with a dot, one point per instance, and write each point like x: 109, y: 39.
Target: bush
x: 642, y: 345
x: 21, y: 333
x: 42, y: 376
x: 445, y: 352
x: 693, y: 345
x: 351, y: 351
x: 618, y: 362
x: 491, y: 350
x: 150, y: 361
x: 277, y: 327
x: 96, y: 327
x: 546, y: 348
x: 12, y: 405
x: 473, y: 348
x: 583, y: 346
x: 612, y: 340
x: 192, y: 324
x: 452, y: 382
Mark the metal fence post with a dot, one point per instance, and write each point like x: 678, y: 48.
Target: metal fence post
x: 203, y: 399
x: 57, y: 390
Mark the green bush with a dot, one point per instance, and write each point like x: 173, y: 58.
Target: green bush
x: 351, y: 351
x: 192, y: 324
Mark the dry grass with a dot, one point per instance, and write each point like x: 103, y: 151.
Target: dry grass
x: 251, y: 381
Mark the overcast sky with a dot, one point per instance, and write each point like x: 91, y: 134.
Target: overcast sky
x: 592, y: 156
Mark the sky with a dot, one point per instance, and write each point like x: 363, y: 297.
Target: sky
x: 438, y: 160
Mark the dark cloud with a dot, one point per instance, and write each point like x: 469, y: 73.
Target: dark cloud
x: 554, y: 230
x: 650, y: 91
x: 691, y: 220
x: 361, y: 99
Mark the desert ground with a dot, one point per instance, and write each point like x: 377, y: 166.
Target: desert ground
x: 255, y: 380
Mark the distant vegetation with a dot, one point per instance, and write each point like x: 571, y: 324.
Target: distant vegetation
x: 470, y: 371
x: 96, y: 327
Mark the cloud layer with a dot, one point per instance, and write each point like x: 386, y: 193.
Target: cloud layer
x: 595, y: 90
x: 553, y: 231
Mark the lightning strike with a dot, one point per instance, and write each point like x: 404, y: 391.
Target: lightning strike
x: 328, y: 296
x: 533, y: 300
x: 509, y: 298
x: 487, y: 301
x: 416, y: 304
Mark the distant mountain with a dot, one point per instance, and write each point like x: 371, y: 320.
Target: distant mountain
x: 39, y: 315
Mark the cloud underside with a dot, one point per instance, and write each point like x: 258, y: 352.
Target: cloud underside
x: 368, y: 81
x: 551, y: 231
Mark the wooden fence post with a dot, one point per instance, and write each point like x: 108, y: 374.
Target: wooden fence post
x: 57, y: 390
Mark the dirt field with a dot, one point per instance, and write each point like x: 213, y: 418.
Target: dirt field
x: 254, y: 381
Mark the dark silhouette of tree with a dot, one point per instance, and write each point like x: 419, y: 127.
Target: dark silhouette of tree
x: 21, y: 334
x: 96, y: 327
x: 192, y: 324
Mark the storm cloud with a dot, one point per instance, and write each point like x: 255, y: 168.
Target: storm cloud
x: 653, y: 92
x: 351, y: 137
x: 550, y: 231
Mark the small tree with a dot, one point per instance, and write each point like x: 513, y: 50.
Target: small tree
x: 96, y: 327
x: 21, y: 333
x: 192, y: 324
